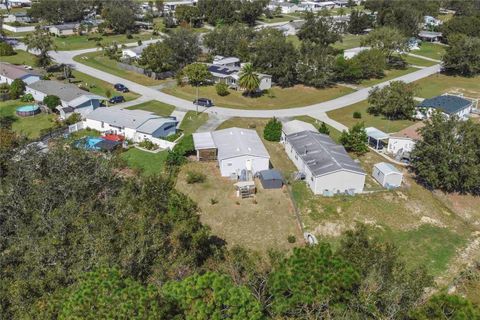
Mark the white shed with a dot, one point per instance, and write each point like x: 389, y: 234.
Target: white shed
x: 387, y: 175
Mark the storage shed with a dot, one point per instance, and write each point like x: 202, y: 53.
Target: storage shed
x: 387, y: 175
x: 270, y: 179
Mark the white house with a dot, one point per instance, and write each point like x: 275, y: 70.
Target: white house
x: 231, y: 62
x: 171, y: 6
x: 63, y: 29
x: 239, y: 151
x: 73, y: 99
x: 294, y: 126
x: 430, y: 21
x: 325, y: 165
x: 21, y: 17
x: 404, y: 140
x: 10, y: 72
x: 133, y: 52
x: 136, y: 125
x: 285, y: 7
x: 449, y: 105
x: 350, y: 53
x: 387, y: 175
x: 226, y: 70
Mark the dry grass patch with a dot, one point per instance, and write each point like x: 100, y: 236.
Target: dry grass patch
x: 260, y: 224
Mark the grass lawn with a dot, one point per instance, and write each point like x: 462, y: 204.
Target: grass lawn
x: 101, y: 87
x: 22, y: 57
x: 345, y: 116
x: 281, y: 18
x: 421, y: 225
x: 349, y: 41
x: 260, y: 225
x: 157, y: 107
x: 334, y: 133
x: 430, y: 50
x: 389, y: 75
x: 418, y: 61
x: 279, y: 98
x: 98, y: 61
x: 294, y: 39
x: 146, y: 162
x: 76, y: 42
x: 192, y: 121
x: 440, y: 83
x: 29, y: 126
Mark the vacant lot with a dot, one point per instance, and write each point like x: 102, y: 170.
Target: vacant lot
x: 277, y: 98
x: 98, y: 61
x: 389, y: 75
x: 29, y: 126
x: 22, y: 57
x: 345, y: 116
x: 430, y: 50
x: 419, y: 223
x: 76, y: 42
x: 260, y: 224
x: 157, y: 107
x: 440, y: 83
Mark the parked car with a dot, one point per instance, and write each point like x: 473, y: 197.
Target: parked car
x: 120, y: 87
x: 116, y: 99
x: 204, y: 102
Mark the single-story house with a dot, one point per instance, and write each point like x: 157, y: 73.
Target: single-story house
x: 21, y: 17
x: 10, y: 72
x: 326, y: 166
x: 63, y: 29
x: 317, y: 6
x: 171, y: 6
x: 231, y: 75
x: 403, y: 141
x: 239, y: 152
x: 136, y: 125
x: 449, y: 105
x: 133, y: 52
x: 270, y: 179
x: 387, y: 175
x: 294, y: 126
x: 73, y: 99
x: 226, y: 61
x: 350, y: 53
x: 430, y: 36
x: 285, y: 7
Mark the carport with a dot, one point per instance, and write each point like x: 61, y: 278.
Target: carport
x: 377, y: 139
x: 270, y: 179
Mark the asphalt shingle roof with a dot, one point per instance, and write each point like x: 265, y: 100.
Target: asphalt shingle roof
x: 65, y: 91
x: 446, y: 103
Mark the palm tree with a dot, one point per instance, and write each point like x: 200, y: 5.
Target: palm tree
x: 249, y: 79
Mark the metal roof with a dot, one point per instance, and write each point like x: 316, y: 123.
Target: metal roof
x: 321, y: 154
x: 429, y: 34
x: 65, y: 91
x: 203, y: 140
x: 235, y: 142
x: 447, y: 103
x: 271, y: 174
x: 294, y: 126
x: 386, y: 168
x: 376, y: 134
x: 12, y: 71
x: 220, y: 60
x: 151, y: 125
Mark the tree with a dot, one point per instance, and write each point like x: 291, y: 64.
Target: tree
x: 222, y: 89
x: 316, y: 66
x: 448, y: 154
x: 103, y: 294
x: 157, y: 57
x: 273, y: 130
x: 321, y: 30
x: 462, y: 56
x: 185, y: 47
x: 197, y: 74
x: 395, y: 101
x: 6, y: 49
x: 213, y: 296
x: 250, y: 11
x: 388, y: 40
x: 311, y: 283
x: 219, y: 11
x: 41, y: 41
x: 119, y: 15
x: 248, y: 79
x: 372, y: 63
x: 230, y: 40
x: 358, y: 22
x: 52, y: 101
x: 324, y: 129
x: 17, y: 88
x: 348, y: 70
x: 59, y: 11
x: 189, y: 14
x: 355, y: 139
x: 445, y: 306
x: 466, y: 25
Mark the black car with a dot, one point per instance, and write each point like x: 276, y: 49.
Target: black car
x: 204, y: 102
x: 116, y: 99
x: 120, y: 87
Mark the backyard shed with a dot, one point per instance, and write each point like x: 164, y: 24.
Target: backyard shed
x: 270, y: 179
x: 387, y: 175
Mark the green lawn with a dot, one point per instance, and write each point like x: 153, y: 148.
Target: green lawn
x: 76, y: 42
x: 157, y: 107
x: 148, y: 163
x: 281, y: 18
x: 349, y: 41
x: 430, y: 50
x: 29, y: 126
x: 389, y: 75
x: 100, y: 87
x: 334, y: 133
x: 98, y: 61
x: 22, y: 57
x: 192, y: 121
x: 439, y: 84
x: 418, y: 61
x: 278, y: 98
x: 345, y: 116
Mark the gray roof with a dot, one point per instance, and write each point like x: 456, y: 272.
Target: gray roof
x: 294, y: 126
x: 12, y: 71
x: 203, y: 140
x: 321, y: 154
x: 446, y: 103
x: 142, y: 121
x: 65, y: 91
x: 270, y: 174
x: 235, y: 142
x: 386, y: 168
x: 66, y: 26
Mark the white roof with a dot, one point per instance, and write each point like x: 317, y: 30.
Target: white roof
x: 220, y: 60
x: 376, y: 134
x: 387, y: 168
x: 357, y: 49
x: 294, y: 126
x: 203, y: 140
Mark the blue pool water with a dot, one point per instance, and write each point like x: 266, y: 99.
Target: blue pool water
x: 89, y: 143
x: 27, y: 108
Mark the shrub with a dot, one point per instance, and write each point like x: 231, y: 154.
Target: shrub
x: 147, y: 144
x: 222, y: 89
x: 4, y: 87
x: 195, y: 177
x: 213, y: 201
x: 291, y: 239
x: 51, y: 101
x: 27, y: 98
x: 355, y: 139
x: 273, y: 130
x: 6, y: 49
x: 17, y: 88
x: 324, y: 129
x: 175, y: 159
x: 74, y: 118
x: 357, y: 115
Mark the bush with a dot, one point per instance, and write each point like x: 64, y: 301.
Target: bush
x: 222, y: 89
x: 213, y: 201
x: 51, y: 101
x: 4, y: 87
x: 6, y: 49
x: 74, y: 118
x: 357, y: 115
x: 17, y: 88
x: 273, y: 130
x: 195, y: 177
x: 27, y: 98
x: 324, y: 129
x: 291, y: 239
x: 147, y: 144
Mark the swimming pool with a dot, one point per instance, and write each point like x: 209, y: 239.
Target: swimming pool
x: 89, y: 143
x: 28, y: 110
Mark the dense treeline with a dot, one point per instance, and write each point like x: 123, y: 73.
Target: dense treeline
x: 81, y: 240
